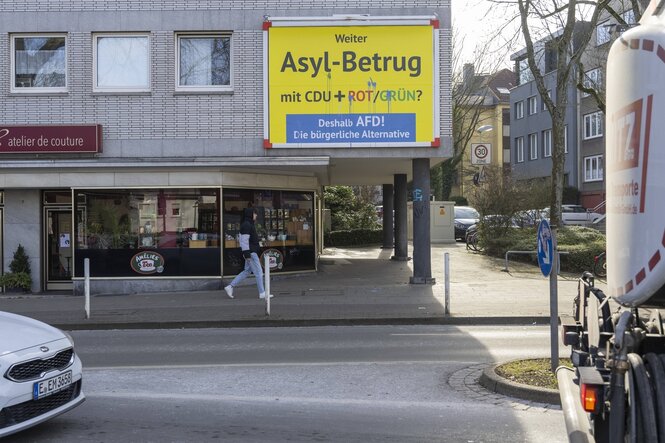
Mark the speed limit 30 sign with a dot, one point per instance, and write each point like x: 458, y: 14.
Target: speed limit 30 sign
x: 481, y: 153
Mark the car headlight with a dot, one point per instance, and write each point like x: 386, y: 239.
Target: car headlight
x: 459, y: 225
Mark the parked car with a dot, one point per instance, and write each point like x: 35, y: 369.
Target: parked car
x: 465, y: 216
x: 575, y: 215
x: 41, y: 373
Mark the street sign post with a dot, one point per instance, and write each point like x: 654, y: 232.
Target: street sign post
x: 548, y: 259
x: 545, y: 248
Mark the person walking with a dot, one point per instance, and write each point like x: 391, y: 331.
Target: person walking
x: 249, y: 244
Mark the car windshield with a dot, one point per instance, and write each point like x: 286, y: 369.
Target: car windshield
x: 466, y: 213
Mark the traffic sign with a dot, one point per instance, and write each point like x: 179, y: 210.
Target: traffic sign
x: 481, y: 153
x: 545, y: 248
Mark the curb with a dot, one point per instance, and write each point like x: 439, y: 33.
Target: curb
x: 275, y: 322
x: 489, y: 379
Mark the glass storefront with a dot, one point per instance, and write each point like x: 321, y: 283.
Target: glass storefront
x: 147, y: 232
x: 285, y: 225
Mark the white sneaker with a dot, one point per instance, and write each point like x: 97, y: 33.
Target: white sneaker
x: 229, y: 291
x: 262, y: 296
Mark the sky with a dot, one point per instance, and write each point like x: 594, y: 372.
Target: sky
x: 474, y: 26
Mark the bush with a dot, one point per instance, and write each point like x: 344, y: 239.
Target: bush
x: 582, y: 245
x: 353, y: 237
x: 19, y: 280
x: 459, y: 200
x: 19, y: 277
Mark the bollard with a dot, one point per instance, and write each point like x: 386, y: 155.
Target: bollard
x: 446, y: 276
x: 267, y: 283
x: 86, y: 273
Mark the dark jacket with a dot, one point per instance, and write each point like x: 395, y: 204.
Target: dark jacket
x: 249, y: 239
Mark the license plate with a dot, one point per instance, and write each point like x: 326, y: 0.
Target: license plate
x: 51, y: 385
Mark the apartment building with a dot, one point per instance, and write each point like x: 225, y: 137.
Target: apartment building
x: 133, y: 134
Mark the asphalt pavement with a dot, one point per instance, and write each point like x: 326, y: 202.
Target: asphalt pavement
x: 351, y: 286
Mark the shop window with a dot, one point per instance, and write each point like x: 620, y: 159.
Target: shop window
x: 285, y: 226
x: 121, y: 63
x: 113, y: 228
x: 204, y: 62
x: 39, y: 63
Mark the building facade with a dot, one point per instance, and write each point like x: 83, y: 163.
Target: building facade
x: 531, y: 130
x: 133, y: 134
x: 487, y: 106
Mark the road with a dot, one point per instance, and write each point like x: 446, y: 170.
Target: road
x: 332, y: 384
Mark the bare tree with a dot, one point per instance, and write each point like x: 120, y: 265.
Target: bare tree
x: 566, y: 37
x: 593, y: 86
x: 468, y: 103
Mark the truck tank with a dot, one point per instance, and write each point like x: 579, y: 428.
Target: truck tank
x: 635, y: 163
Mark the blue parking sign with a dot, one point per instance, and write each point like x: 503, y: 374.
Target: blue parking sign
x: 545, y: 248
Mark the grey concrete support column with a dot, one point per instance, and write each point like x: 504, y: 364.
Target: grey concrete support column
x: 401, y: 240
x: 422, y: 253
x: 23, y: 217
x: 388, y: 207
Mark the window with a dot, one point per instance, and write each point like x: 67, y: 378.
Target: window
x: 593, y: 125
x: 519, y: 149
x: 519, y: 110
x: 532, y: 105
x: 629, y: 17
x: 524, y: 72
x: 603, y: 33
x: 121, y: 63
x: 181, y: 225
x: 204, y: 62
x: 592, y: 80
x: 39, y: 63
x: 593, y: 168
x: 284, y: 224
x: 533, y: 146
x: 547, y: 143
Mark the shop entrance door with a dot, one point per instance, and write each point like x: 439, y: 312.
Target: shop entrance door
x: 58, y: 248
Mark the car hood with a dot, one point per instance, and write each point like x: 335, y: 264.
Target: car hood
x: 18, y: 332
x: 466, y: 221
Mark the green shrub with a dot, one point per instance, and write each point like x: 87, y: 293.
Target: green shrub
x: 353, y: 237
x: 459, y: 200
x: 19, y: 277
x: 582, y: 245
x: 19, y: 280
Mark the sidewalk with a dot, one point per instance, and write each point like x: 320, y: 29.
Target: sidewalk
x: 352, y: 286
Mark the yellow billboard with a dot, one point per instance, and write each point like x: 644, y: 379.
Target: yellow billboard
x: 351, y: 85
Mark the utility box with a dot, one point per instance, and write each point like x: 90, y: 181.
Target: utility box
x: 441, y: 220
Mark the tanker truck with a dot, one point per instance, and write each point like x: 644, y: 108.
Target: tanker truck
x: 616, y: 390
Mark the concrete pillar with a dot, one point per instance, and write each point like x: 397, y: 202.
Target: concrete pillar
x: 401, y: 240
x: 422, y: 253
x: 388, y: 207
x: 22, y: 218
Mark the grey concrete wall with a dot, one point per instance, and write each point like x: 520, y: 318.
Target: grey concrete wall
x: 154, y: 124
x: 22, y: 218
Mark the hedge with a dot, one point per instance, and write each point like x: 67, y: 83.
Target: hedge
x: 581, y: 243
x: 353, y: 237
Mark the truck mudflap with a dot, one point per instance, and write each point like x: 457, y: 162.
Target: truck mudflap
x: 577, y: 421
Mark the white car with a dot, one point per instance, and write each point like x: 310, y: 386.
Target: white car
x: 574, y: 215
x: 40, y: 373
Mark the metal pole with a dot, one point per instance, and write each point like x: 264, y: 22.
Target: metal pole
x: 554, y: 306
x: 86, y: 273
x: 266, y: 260
x: 446, y: 273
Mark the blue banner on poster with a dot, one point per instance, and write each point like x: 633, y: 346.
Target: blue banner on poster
x: 351, y: 128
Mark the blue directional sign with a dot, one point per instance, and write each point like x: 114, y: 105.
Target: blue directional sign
x: 545, y: 248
